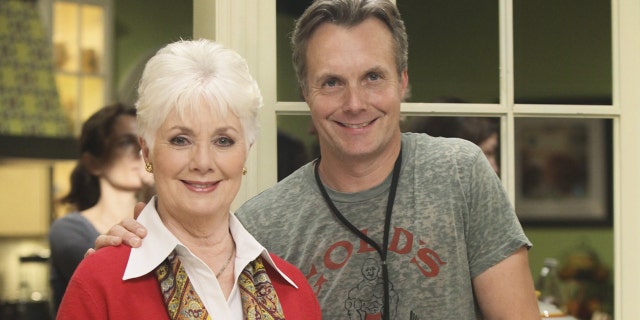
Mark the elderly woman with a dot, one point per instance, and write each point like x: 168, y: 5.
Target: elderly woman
x: 197, y: 112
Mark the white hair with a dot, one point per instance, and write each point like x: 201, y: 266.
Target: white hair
x: 185, y: 73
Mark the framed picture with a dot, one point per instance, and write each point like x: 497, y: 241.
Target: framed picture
x: 563, y: 172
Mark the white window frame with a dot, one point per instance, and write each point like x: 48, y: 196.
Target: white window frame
x: 249, y: 26
x: 106, y: 61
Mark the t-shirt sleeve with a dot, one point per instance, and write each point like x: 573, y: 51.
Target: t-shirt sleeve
x: 494, y: 232
x: 69, y: 241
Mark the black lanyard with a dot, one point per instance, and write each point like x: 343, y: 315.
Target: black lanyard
x: 382, y: 251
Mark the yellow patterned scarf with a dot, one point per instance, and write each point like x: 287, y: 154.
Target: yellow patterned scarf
x: 259, y: 298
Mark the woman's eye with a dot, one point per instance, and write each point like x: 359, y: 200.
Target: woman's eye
x: 127, y: 141
x: 225, y: 141
x: 179, y: 141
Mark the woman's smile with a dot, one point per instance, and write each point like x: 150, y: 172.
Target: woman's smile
x: 198, y: 186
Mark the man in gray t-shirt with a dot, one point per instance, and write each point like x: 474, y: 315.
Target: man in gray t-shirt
x: 451, y: 221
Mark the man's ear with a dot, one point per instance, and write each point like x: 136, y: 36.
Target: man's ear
x: 404, y: 83
x: 304, y: 91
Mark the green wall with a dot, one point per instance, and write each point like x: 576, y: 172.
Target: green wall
x: 560, y: 242
x: 142, y: 27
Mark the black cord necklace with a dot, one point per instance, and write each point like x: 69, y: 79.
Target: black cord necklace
x: 382, y: 250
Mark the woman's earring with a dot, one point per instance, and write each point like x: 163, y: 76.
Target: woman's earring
x: 148, y: 167
x: 244, y: 171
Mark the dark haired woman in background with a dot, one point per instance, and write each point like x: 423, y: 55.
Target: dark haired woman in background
x: 105, y: 185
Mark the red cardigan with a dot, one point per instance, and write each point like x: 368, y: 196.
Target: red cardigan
x: 97, y: 291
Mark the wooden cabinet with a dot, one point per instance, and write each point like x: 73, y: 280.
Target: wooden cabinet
x: 29, y: 191
x: 24, y: 198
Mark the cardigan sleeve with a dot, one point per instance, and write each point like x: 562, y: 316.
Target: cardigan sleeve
x: 81, y: 300
x: 297, y: 303
x: 97, y: 291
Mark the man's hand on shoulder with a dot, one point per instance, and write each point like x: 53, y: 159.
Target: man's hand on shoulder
x: 128, y: 232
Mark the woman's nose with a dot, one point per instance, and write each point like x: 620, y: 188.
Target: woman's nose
x: 202, y: 158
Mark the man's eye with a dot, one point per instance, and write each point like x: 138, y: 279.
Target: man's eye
x: 374, y: 76
x: 331, y: 83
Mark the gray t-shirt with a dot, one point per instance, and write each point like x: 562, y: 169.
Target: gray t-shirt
x: 451, y: 221
x: 69, y: 238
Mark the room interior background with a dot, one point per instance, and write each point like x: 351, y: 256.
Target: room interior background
x: 32, y: 172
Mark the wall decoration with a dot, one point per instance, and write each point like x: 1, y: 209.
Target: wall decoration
x: 562, y: 171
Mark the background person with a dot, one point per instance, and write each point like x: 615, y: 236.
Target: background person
x: 197, y: 119
x: 431, y: 210
x: 104, y: 184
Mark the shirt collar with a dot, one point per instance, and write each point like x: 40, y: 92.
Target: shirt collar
x: 159, y: 243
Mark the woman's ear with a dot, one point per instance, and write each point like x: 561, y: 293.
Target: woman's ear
x: 91, y: 163
x: 144, y: 149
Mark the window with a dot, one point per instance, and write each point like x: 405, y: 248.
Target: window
x: 81, y: 57
x: 555, y: 70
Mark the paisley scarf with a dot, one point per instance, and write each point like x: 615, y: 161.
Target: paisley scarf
x: 259, y: 298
